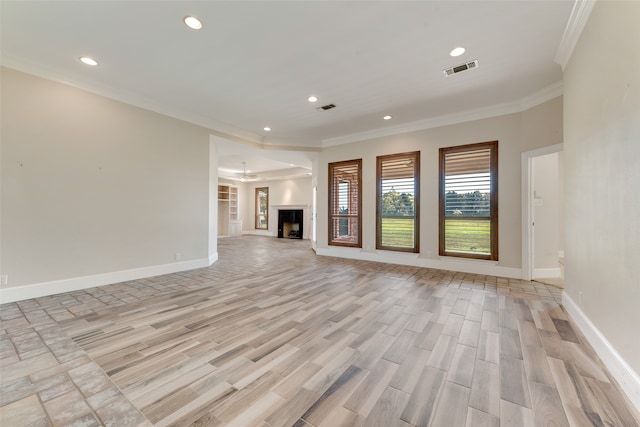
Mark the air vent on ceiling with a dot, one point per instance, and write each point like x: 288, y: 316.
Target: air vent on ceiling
x: 460, y: 68
x: 326, y: 107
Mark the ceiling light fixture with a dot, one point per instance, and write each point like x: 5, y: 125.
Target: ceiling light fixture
x: 245, y: 177
x: 387, y: 117
x: 88, y: 61
x: 267, y: 128
x: 192, y: 22
x: 312, y: 98
x: 457, y: 51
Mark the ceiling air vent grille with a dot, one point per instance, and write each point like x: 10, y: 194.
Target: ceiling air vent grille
x: 460, y: 68
x: 326, y: 107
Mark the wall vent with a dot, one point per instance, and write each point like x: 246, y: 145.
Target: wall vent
x: 326, y: 107
x: 460, y: 68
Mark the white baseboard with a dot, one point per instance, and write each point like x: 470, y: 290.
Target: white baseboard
x: 546, y: 273
x: 268, y: 234
x: 489, y: 268
x: 213, y: 258
x: 623, y: 373
x: 36, y: 290
x: 258, y: 233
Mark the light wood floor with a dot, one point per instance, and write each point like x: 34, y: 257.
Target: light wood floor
x: 273, y: 335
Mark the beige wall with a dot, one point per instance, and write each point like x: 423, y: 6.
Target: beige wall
x: 602, y: 175
x: 541, y: 125
x: 93, y: 186
x: 287, y: 192
x: 544, y: 127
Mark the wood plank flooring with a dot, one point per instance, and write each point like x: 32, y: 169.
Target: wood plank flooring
x: 273, y: 335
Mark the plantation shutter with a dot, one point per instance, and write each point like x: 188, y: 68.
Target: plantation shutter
x: 468, y: 198
x: 468, y: 172
x: 345, y: 203
x: 397, y: 210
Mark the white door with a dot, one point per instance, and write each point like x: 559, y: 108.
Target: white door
x: 544, y: 202
x: 546, y: 216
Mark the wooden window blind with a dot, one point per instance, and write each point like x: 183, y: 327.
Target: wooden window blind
x: 262, y: 208
x: 398, y: 202
x: 345, y: 203
x: 469, y: 201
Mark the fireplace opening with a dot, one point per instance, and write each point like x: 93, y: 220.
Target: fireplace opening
x: 290, y: 223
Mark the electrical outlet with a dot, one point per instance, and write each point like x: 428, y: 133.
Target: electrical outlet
x: 178, y: 256
x: 4, y: 280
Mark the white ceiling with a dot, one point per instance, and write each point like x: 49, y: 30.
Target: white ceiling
x: 254, y: 63
x: 267, y: 164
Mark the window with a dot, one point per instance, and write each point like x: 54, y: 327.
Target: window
x: 262, y: 208
x: 398, y: 202
x: 345, y: 203
x: 469, y: 201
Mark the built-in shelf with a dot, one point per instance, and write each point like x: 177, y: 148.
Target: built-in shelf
x: 229, y: 223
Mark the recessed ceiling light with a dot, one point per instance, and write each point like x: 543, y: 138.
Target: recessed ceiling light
x: 457, y: 51
x: 193, y: 22
x: 312, y: 98
x: 267, y: 128
x: 387, y: 117
x: 88, y: 60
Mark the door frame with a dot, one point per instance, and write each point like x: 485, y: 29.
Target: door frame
x: 527, y: 205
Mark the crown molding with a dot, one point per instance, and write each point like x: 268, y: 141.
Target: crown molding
x: 537, y: 98
x: 221, y: 129
x: 226, y: 131
x: 540, y: 97
x: 577, y: 20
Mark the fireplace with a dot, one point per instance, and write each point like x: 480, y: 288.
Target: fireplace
x: 290, y: 223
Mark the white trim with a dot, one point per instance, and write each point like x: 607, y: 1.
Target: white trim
x: 537, y: 98
x: 527, y: 207
x: 36, y: 290
x: 576, y: 23
x: 239, y: 135
x: 546, y: 273
x: 545, y: 94
x: 266, y: 233
x: 450, y: 258
x: 290, y: 207
x: 212, y: 226
x: 549, y: 149
x: 131, y: 98
x: 527, y: 216
x: 462, y: 265
x: 212, y: 258
x: 623, y: 373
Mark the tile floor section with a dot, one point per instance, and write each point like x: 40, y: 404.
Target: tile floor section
x: 48, y: 379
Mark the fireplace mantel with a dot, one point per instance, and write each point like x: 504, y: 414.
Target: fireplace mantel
x: 290, y: 206
x: 306, y: 217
